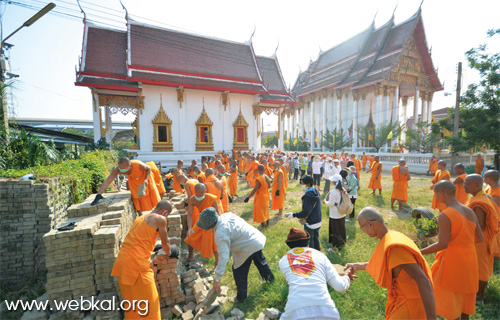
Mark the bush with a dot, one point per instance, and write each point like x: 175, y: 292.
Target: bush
x: 85, y: 174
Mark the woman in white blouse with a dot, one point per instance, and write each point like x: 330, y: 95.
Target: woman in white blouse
x: 336, y: 230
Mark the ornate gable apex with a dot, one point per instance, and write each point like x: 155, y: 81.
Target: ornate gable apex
x: 240, y: 121
x: 204, y: 119
x: 161, y: 116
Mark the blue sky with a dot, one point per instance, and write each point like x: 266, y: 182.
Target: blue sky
x: 45, y: 54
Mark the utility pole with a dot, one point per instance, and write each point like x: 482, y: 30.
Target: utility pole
x: 456, y: 119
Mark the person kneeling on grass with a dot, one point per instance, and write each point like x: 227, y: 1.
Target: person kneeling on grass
x: 235, y: 235
x: 307, y: 272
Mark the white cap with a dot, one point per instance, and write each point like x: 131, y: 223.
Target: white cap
x: 336, y: 160
x: 336, y: 178
x: 329, y: 159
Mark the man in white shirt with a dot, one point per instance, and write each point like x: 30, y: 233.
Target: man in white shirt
x: 307, y: 272
x: 235, y: 235
x: 328, y: 174
x: 336, y: 167
x: 296, y: 168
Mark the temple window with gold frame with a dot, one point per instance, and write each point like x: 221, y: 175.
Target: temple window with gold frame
x: 240, y: 139
x: 204, y: 140
x: 162, y: 126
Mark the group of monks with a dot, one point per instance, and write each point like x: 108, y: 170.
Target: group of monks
x: 469, y: 227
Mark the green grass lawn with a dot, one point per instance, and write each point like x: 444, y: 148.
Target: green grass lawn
x: 364, y: 300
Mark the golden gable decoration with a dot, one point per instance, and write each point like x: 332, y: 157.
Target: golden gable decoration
x: 204, y: 140
x: 240, y: 136
x: 162, y: 135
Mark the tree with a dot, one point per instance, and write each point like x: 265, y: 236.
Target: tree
x: 269, y: 141
x: 425, y: 144
x: 299, y: 146
x: 382, y: 135
x: 335, y: 140
x: 480, y: 103
x: 78, y: 132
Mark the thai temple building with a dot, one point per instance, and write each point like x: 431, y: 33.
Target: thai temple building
x: 191, y: 95
x: 381, y: 75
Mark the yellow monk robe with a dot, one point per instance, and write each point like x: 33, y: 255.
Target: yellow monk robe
x: 202, y: 176
x: 403, y: 297
x: 202, y: 240
x: 191, y: 183
x: 363, y: 160
x: 440, y: 175
x: 211, y: 164
x: 455, y: 271
x: 248, y: 167
x: 226, y: 162
x: 376, y: 183
x: 176, y: 185
x: 233, y: 183
x: 495, y: 192
x: 269, y: 171
x: 486, y: 250
x: 132, y: 267
x: 241, y: 164
x: 135, y: 179
x: 460, y: 193
x: 271, y: 161
x: 155, y: 172
x: 261, y: 201
x: 399, y: 185
x: 285, y: 175
x: 433, y: 165
x: 278, y: 202
x: 225, y: 197
x: 479, y: 165
x: 212, y: 189
x: 255, y: 165
x: 371, y: 160
x: 357, y: 164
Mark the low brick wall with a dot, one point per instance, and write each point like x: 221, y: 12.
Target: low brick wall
x: 28, y: 210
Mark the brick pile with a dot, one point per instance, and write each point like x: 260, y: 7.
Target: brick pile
x: 167, y: 280
x: 28, y: 210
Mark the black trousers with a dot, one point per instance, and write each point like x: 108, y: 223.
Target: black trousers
x: 353, y: 200
x: 302, y: 173
x: 314, y: 240
x: 336, y: 231
x: 317, y: 179
x: 241, y: 273
x: 326, y: 189
x: 295, y: 173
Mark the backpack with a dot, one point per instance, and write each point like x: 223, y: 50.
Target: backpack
x: 345, y: 206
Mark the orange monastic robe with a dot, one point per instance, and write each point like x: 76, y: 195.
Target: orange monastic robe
x: 399, y: 185
x: 202, y: 176
x: 357, y: 164
x: 278, y: 201
x: 202, y: 240
x: 191, y: 183
x: 135, y: 179
x: 132, y: 267
x: 233, y: 183
x: 226, y: 162
x: 371, y: 160
x: 241, y: 164
x: 261, y: 201
x: 285, y: 175
x: 157, y: 177
x: 433, y: 165
x: 485, y: 250
x: 460, y: 193
x: 212, y: 189
x: 440, y: 175
x: 376, y: 183
x: 454, y: 289
x: 403, y: 297
x: 363, y: 159
x: 479, y: 166
x: 253, y: 172
x: 248, y: 168
x: 176, y: 185
x: 495, y: 192
x: 269, y: 171
x: 225, y: 197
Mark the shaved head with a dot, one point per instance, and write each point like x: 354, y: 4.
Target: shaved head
x: 180, y: 162
x: 473, y: 184
x: 182, y: 178
x: 460, y: 167
x: 162, y: 206
x: 124, y: 160
x: 261, y: 169
x: 446, y: 186
x: 276, y: 164
x: 492, y: 174
x: 209, y: 171
x: 204, y: 166
x: 199, y: 187
x: 370, y: 214
x: 402, y: 162
x: 442, y: 163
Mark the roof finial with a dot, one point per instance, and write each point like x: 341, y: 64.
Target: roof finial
x: 397, y: 3
x: 251, y: 37
x: 240, y: 106
x: 161, y: 101
x: 276, y: 50
x: 203, y: 103
x: 126, y: 12
x: 81, y: 9
x: 373, y: 22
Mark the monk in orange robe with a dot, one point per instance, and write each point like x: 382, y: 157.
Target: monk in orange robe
x: 269, y: 170
x: 376, y: 177
x: 261, y: 201
x: 286, y: 171
x: 488, y: 215
x: 177, y: 171
x: 214, y: 186
x: 221, y: 175
x: 189, y: 185
x: 248, y: 171
x: 233, y: 179
x: 479, y: 164
x: 157, y: 178
x: 197, y: 238
x: 441, y: 174
x: 461, y: 195
x: 202, y: 176
x: 400, y: 178
x: 357, y: 164
x: 363, y: 160
x: 241, y: 164
x: 278, y: 190
x: 132, y: 266
x: 454, y: 289
x: 139, y: 175
x: 491, y: 178
x: 371, y: 159
x: 433, y: 165
x: 397, y: 265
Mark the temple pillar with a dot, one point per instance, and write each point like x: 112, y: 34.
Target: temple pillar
x: 386, y: 109
x: 324, y: 117
x: 311, y: 127
x: 429, y: 106
x: 423, y: 95
x: 379, y: 91
x: 395, y: 106
x: 339, y: 105
x: 415, y: 108
x: 404, y: 117
x: 109, y: 126
x: 96, y: 117
x: 280, y: 129
x: 302, y: 124
x: 355, y: 97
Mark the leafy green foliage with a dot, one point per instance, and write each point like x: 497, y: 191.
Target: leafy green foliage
x: 299, y: 146
x: 335, y: 140
x: 415, y: 141
x: 85, y: 174
x: 99, y: 145
x: 268, y: 141
x: 382, y: 134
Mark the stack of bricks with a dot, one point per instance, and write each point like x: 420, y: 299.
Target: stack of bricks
x: 28, y: 210
x: 69, y: 261
x: 105, y: 249
x: 167, y: 280
x: 177, y: 201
